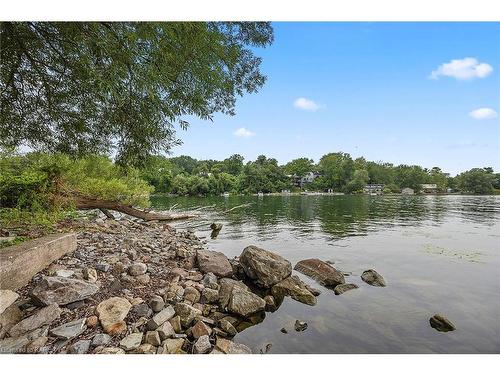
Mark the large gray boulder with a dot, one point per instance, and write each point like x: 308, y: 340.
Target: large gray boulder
x: 226, y: 290
x: 62, y: 290
x: 264, y: 267
x: 245, y: 303
x: 214, y: 262
x: 320, y: 271
x: 294, y: 287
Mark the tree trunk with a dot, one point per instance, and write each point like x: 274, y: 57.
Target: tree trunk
x: 85, y: 203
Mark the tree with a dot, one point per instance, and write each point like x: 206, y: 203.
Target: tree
x: 439, y: 178
x: 337, y: 169
x: 476, y: 181
x: 412, y: 176
x: 299, y: 167
x: 233, y: 164
x: 101, y: 87
x: 359, y: 180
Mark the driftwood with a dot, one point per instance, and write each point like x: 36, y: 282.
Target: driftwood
x: 86, y: 203
x: 236, y: 207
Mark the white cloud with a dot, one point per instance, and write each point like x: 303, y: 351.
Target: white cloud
x: 244, y: 133
x: 483, y: 113
x: 464, y: 69
x: 306, y: 104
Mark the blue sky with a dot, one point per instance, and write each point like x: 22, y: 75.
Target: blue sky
x: 412, y: 93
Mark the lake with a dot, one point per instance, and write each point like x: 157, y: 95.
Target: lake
x: 438, y: 254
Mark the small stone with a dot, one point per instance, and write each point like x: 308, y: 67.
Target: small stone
x: 62, y: 290
x: 9, y: 318
x: 145, y: 349
x: 36, y: 344
x: 156, y: 303
x: 210, y: 281
x: 200, y: 329
x: 230, y: 347
x: 90, y: 274
x: 283, y: 330
x: 137, y: 269
x: 270, y: 303
x: 153, y: 338
x: 210, y: 295
x: 176, y: 323
x: 228, y: 327
x: 92, y: 321
x: 100, y: 339
x: 373, y: 278
x: 191, y: 294
x: 7, y: 298
x: 166, y: 330
x: 300, y: 325
x: 112, y: 313
x: 160, y: 318
x: 131, y: 341
x: 70, y: 330
x: 75, y: 305
x: 342, y: 288
x: 111, y: 350
x: 64, y: 273
x: 143, y: 279
x: 202, y: 345
x: 172, y: 346
x: 186, y: 313
x: 441, y: 323
x: 294, y: 287
x: 79, y: 347
x: 142, y: 310
x: 103, y: 267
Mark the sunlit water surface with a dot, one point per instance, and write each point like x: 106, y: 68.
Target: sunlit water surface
x: 438, y: 254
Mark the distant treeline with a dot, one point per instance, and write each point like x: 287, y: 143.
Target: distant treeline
x: 338, y: 171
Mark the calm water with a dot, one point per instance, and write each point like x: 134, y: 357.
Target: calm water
x: 438, y: 254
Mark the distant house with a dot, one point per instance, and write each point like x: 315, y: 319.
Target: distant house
x: 429, y: 188
x: 374, y: 189
x: 407, y: 191
x: 303, y: 180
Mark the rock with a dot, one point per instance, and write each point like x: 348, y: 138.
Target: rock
x: 111, y: 350
x: 64, y: 273
x: 9, y: 318
x: 75, y: 305
x: 143, y: 279
x: 70, y: 330
x: 36, y: 344
x: 153, y: 338
x: 245, y: 303
x: 226, y: 290
x: 45, y: 316
x: 314, y: 292
x: 228, y: 327
x: 215, y: 262
x: 13, y: 345
x: 283, y: 330
x: 156, y: 303
x: 186, y: 313
x: 264, y: 267
x: 142, y: 310
x: 145, y: 349
x: 210, y: 281
x: 166, y: 330
x: 202, y: 345
x: 79, y: 347
x: 200, y: 329
x: 216, y: 227
x: 342, y: 288
x: 160, y: 318
x: 372, y: 277
x: 191, y: 295
x: 300, y: 325
x: 92, y: 321
x: 320, y: 271
x: 172, y: 346
x: 62, y: 290
x: 103, y: 267
x: 176, y: 323
x: 7, y: 298
x: 441, y: 323
x: 292, y: 286
x: 137, y: 269
x: 131, y: 341
x: 230, y: 347
x: 100, y: 339
x: 112, y: 313
x: 210, y: 295
x: 90, y: 274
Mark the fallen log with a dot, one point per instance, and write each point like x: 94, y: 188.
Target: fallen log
x: 86, y: 203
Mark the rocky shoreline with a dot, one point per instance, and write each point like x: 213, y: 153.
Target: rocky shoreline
x: 146, y: 288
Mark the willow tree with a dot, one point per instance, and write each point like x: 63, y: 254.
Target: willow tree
x: 121, y: 88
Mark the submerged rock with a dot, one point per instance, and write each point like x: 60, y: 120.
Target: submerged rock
x: 214, y: 262
x: 320, y: 271
x: 264, y: 267
x: 373, y: 278
x: 62, y: 290
x: 441, y: 323
x: 294, y: 287
x: 300, y: 325
x: 342, y: 288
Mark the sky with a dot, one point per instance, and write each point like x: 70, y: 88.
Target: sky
x: 405, y: 93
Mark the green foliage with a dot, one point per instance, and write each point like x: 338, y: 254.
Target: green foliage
x: 476, y: 181
x: 97, y: 87
x: 337, y: 169
x: 299, y: 167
